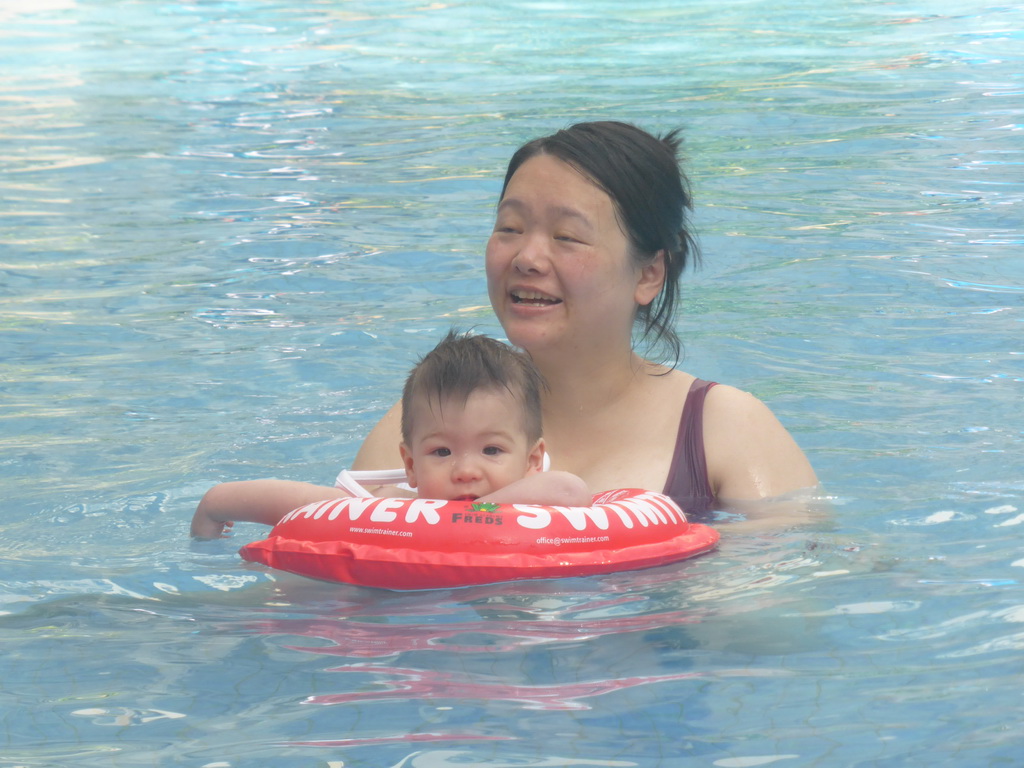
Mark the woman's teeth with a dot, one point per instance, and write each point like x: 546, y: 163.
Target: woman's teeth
x: 531, y: 297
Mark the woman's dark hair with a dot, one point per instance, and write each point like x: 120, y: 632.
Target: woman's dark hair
x: 462, y: 364
x: 642, y: 175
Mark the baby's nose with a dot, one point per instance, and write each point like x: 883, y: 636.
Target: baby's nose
x: 465, y: 469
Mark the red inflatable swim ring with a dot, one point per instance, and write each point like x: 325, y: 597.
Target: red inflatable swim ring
x: 432, y: 544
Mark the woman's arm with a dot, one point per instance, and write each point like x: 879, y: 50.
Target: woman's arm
x: 380, y: 448
x: 254, y: 501
x: 750, y: 455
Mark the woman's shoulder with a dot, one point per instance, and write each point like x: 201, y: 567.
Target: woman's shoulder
x: 729, y: 398
x: 750, y: 454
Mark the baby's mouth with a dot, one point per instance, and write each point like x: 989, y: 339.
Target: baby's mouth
x: 534, y: 299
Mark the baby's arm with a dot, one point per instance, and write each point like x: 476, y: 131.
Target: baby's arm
x: 553, y: 489
x: 254, y: 501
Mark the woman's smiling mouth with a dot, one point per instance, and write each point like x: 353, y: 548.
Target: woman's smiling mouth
x: 534, y: 299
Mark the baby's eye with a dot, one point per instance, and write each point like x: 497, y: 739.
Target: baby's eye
x: 441, y: 452
x: 492, y: 450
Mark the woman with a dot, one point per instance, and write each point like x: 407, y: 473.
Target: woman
x: 590, y: 239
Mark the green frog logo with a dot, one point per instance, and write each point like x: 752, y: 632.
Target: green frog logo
x: 479, y: 513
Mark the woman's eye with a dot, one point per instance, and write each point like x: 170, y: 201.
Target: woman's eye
x: 567, y: 239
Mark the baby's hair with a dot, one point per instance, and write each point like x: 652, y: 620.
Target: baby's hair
x: 462, y: 364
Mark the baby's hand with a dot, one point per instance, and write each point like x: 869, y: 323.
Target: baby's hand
x: 205, y: 527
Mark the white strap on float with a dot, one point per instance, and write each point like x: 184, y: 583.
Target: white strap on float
x: 352, y: 480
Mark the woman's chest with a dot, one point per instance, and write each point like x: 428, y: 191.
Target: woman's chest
x: 630, y: 446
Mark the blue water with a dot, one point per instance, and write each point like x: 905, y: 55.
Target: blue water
x: 228, y: 228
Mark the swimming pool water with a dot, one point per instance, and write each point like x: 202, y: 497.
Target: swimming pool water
x: 227, y: 229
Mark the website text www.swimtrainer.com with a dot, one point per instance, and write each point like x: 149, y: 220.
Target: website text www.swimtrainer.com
x: 385, y: 531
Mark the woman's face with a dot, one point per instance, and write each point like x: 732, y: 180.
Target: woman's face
x: 559, y: 272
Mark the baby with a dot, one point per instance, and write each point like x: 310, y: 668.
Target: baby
x: 471, y: 429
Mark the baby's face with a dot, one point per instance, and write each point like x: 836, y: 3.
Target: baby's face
x: 464, y: 451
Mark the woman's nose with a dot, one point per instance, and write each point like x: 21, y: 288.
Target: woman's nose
x: 532, y: 256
